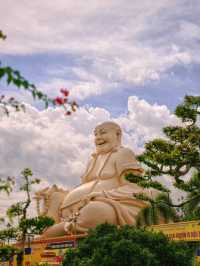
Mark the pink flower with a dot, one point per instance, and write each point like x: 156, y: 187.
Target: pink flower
x: 59, y: 101
x: 68, y: 113
x: 64, y: 92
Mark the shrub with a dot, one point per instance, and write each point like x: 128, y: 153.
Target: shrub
x: 108, y: 245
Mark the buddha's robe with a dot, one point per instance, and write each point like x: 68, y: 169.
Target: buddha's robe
x: 105, y: 174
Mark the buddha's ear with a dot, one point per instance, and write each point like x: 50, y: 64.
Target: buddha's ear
x: 119, y: 134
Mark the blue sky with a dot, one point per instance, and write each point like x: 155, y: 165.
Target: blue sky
x: 106, y: 51
x: 129, y: 61
x: 169, y: 90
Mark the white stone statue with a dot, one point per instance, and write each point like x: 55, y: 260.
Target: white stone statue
x: 104, y: 194
x: 51, y: 199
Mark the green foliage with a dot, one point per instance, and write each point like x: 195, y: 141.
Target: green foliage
x: 24, y: 226
x: 6, y: 252
x: 191, y: 209
x: 192, y: 214
x: 2, y: 220
x: 19, y: 210
x: 7, y: 234
x: 10, y: 102
x: 108, y: 245
x: 15, y: 210
x: 2, y: 35
x: 7, y: 184
x: 35, y: 225
x: 179, y: 154
x: 159, y: 210
x: 189, y: 110
x: 15, y: 78
x: 145, y: 182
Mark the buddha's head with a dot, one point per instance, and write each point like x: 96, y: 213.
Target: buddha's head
x: 107, y: 136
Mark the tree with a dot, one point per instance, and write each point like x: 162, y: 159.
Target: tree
x: 25, y: 226
x: 191, y: 210
x: 178, y: 154
x: 6, y: 184
x: 7, y: 252
x: 159, y: 211
x: 8, y: 234
x: 108, y: 245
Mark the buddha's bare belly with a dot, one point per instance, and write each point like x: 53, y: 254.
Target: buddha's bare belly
x: 83, y: 190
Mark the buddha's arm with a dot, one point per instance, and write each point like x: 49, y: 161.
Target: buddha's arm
x: 126, y: 189
x: 135, y: 172
x: 85, y: 177
x: 127, y: 163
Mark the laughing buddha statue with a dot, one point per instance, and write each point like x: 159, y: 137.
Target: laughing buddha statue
x: 104, y: 194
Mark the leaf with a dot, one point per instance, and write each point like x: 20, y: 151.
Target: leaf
x: 2, y: 72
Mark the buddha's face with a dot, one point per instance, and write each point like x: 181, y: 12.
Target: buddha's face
x: 106, y: 138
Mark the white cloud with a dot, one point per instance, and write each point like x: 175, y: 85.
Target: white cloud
x: 56, y: 147
x: 189, y: 30
x: 68, y: 26
x: 105, y: 37
x: 79, y: 90
x: 144, y: 122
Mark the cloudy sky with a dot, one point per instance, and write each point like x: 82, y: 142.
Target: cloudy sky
x: 129, y: 61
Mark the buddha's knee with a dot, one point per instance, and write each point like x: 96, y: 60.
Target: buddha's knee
x: 55, y: 230
x: 95, y: 213
x: 68, y: 212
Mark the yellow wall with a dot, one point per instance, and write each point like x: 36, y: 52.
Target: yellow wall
x: 41, y: 254
x: 187, y: 231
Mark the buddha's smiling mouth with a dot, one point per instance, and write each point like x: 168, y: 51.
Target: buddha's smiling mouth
x: 101, y: 143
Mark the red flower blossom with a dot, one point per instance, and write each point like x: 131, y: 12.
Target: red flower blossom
x: 68, y: 113
x: 65, y: 100
x: 64, y: 92
x: 59, y: 101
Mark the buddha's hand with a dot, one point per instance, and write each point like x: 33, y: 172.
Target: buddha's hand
x: 92, y: 196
